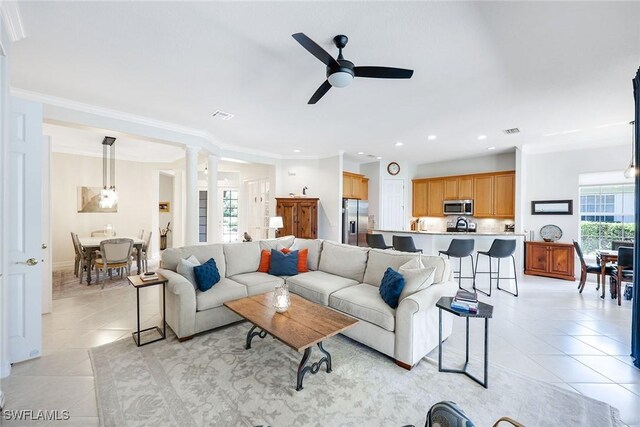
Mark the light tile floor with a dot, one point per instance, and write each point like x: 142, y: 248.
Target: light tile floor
x: 550, y: 332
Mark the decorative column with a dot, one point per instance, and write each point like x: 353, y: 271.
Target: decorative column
x: 213, y: 231
x: 191, y: 191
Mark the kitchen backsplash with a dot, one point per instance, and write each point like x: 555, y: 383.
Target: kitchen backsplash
x: 484, y: 225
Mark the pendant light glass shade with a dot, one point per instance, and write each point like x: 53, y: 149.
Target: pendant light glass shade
x: 631, y: 171
x: 108, y: 194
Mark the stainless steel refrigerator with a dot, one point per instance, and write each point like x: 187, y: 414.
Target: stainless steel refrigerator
x: 355, y: 221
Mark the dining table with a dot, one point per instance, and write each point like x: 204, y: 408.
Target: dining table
x: 606, y: 256
x: 90, y: 245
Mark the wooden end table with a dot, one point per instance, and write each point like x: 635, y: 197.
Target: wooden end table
x: 304, y: 325
x: 485, y: 311
x: 138, y: 283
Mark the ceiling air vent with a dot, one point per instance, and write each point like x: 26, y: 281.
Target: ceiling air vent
x: 511, y: 131
x: 222, y: 115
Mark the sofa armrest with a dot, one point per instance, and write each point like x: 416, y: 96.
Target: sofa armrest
x: 180, y: 304
x: 417, y: 322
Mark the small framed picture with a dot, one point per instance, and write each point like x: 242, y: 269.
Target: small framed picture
x: 164, y: 207
x: 552, y: 207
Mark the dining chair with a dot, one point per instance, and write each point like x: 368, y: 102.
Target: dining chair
x: 76, y: 248
x: 376, y: 241
x: 623, y: 270
x: 404, y: 244
x: 590, y: 268
x: 145, y: 252
x: 141, y: 234
x: 82, y: 261
x: 617, y: 244
x: 115, y: 254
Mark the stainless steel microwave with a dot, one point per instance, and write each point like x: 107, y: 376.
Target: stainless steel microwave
x: 458, y: 207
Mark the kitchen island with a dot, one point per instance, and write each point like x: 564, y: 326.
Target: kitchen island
x: 433, y: 241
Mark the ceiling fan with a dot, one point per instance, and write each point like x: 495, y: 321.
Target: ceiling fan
x: 341, y: 72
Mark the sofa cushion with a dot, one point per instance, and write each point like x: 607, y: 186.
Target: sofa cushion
x: 171, y: 256
x: 242, y: 257
x: 185, y: 269
x: 282, y: 264
x: 416, y: 277
x: 225, y: 290
x: 363, y: 301
x: 206, y: 275
x: 303, y: 255
x: 380, y: 260
x: 316, y: 286
x: 343, y: 260
x: 314, y: 246
x: 258, y: 283
x: 283, y: 242
x: 443, y: 269
x: 391, y: 287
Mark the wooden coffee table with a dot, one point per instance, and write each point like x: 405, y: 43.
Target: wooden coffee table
x: 302, y: 326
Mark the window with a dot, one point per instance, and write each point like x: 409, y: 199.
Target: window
x: 606, y: 215
x: 229, y: 216
x: 202, y: 216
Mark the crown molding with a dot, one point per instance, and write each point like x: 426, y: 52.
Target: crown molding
x: 12, y: 20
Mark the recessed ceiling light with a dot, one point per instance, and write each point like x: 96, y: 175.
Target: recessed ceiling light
x: 379, y: 158
x: 482, y: 137
x: 398, y: 144
x: 361, y: 152
x: 296, y: 151
x: 431, y: 137
x: 491, y: 148
x: 222, y: 115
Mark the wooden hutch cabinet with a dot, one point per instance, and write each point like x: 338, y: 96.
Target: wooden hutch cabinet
x: 299, y: 216
x: 550, y: 259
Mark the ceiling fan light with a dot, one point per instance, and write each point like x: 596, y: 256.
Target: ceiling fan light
x: 340, y: 79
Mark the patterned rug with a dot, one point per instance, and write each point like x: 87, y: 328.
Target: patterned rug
x: 66, y: 285
x: 213, y: 380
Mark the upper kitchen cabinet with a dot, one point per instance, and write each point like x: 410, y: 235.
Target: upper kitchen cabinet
x: 355, y: 186
x: 451, y: 188
x: 435, y: 190
x: 420, y: 196
x: 483, y: 196
x: 465, y: 187
x: 504, y: 190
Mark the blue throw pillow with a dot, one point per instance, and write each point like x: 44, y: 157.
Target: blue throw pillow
x: 283, y: 264
x: 206, y: 274
x: 391, y: 287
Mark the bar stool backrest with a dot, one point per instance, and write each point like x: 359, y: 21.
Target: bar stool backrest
x: 502, y: 248
x: 404, y: 244
x: 461, y: 248
x: 376, y: 241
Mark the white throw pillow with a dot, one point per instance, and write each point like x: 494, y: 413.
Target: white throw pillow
x: 416, y: 277
x: 185, y: 268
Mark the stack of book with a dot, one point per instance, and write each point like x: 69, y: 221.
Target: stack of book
x: 465, y: 301
x: 149, y: 276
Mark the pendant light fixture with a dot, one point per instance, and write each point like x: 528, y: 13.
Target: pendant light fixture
x: 108, y: 194
x: 631, y: 171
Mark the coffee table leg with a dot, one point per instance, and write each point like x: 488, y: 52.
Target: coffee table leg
x: 252, y: 334
x: 314, y: 367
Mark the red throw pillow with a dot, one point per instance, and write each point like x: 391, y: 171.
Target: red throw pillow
x: 265, y: 260
x: 303, y: 254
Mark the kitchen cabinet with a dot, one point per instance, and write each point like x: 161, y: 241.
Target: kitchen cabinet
x: 483, y: 196
x: 299, y: 216
x: 435, y: 193
x: 451, y: 188
x: 504, y: 187
x: 550, y: 259
x: 465, y: 187
x: 420, y: 195
x: 355, y: 186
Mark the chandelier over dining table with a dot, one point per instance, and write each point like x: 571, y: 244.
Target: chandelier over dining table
x: 108, y: 194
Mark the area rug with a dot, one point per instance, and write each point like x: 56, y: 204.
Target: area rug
x: 213, y: 380
x: 66, y: 285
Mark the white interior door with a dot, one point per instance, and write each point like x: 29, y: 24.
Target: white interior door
x: 47, y: 285
x: 24, y: 250
x: 393, y: 205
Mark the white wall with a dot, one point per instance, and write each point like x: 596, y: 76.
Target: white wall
x: 134, y: 181
x: 492, y: 163
x: 323, y: 177
x: 372, y: 171
x: 350, y: 166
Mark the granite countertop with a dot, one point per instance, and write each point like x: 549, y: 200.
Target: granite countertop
x: 454, y: 233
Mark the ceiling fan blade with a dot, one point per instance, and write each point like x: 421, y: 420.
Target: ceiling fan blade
x: 324, y: 88
x: 316, y: 50
x: 383, y: 72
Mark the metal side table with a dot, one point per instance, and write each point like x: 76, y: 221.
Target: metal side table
x: 485, y: 311
x: 138, y: 283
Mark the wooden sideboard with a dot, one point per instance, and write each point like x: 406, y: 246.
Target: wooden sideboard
x: 299, y: 216
x: 550, y: 259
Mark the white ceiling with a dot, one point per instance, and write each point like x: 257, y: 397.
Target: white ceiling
x: 545, y: 67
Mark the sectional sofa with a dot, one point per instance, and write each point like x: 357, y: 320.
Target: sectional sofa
x: 343, y: 277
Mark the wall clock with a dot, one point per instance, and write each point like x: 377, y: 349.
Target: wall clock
x: 393, y: 168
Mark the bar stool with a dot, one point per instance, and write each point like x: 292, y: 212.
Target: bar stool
x: 500, y: 248
x: 376, y: 241
x: 404, y: 244
x: 461, y: 248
